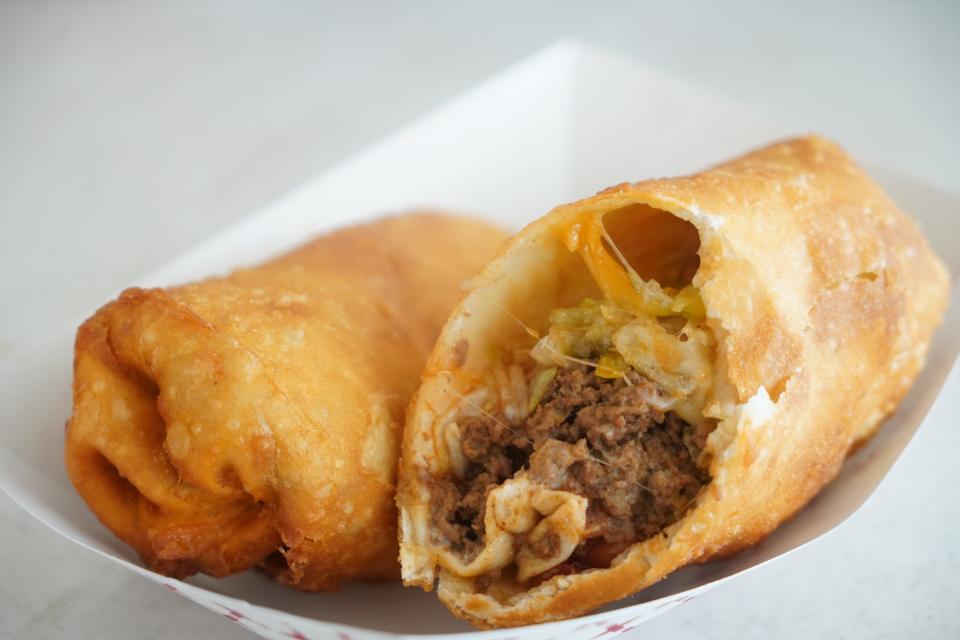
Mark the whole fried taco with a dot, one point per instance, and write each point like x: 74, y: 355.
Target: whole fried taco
x: 254, y: 419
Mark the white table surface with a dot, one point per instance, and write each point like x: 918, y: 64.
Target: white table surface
x: 130, y: 131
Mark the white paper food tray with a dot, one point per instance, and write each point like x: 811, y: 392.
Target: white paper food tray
x: 556, y: 127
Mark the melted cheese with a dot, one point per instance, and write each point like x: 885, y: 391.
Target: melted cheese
x: 680, y: 366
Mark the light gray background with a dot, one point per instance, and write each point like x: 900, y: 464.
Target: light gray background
x: 131, y: 130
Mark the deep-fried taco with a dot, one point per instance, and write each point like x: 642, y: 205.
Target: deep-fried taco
x: 659, y: 375
x: 255, y: 419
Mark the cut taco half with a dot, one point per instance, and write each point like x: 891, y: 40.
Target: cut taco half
x: 659, y: 375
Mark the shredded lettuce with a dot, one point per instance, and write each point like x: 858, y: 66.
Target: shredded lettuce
x: 611, y: 365
x: 581, y: 332
x: 614, y: 341
x: 538, y: 387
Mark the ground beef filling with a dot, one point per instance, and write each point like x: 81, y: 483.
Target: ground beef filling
x: 602, y: 439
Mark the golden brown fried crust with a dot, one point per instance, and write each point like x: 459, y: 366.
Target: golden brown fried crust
x: 822, y: 295
x: 220, y: 424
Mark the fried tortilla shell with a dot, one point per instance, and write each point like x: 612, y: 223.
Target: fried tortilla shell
x: 753, y: 323
x: 255, y: 419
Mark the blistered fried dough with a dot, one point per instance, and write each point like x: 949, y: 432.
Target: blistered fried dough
x: 659, y: 375
x: 255, y: 418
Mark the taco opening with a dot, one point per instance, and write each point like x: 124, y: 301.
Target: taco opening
x: 594, y: 438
